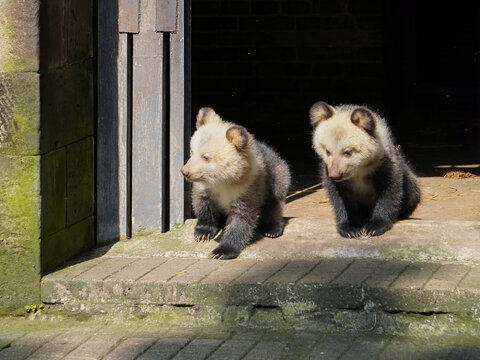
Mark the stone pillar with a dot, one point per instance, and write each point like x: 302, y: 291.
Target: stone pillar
x: 46, y: 141
x: 19, y: 153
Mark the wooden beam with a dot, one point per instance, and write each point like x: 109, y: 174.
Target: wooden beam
x: 111, y: 189
x: 179, y: 112
x: 167, y: 15
x: 147, y: 125
x: 128, y: 16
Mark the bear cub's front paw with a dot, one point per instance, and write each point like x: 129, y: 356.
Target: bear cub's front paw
x: 348, y: 231
x: 224, y: 252
x: 377, y: 227
x: 205, y: 232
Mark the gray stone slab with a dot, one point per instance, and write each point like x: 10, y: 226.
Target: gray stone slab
x: 326, y: 271
x: 447, y: 277
x: 26, y: 345
x: 198, y: 349
x: 471, y: 280
x: 233, y: 349
x: 405, y: 350
x: 105, y: 269
x: 130, y: 349
x: 357, y: 272
x: 364, y: 349
x: 260, y: 272
x: 228, y: 271
x: 266, y: 349
x: 74, y: 270
x: 415, y: 276
x: 168, y: 270
x: 59, y: 347
x: 95, y: 347
x: 293, y: 271
x: 196, y: 272
x: 137, y: 269
x: 385, y: 274
x: 165, y: 348
x: 330, y: 347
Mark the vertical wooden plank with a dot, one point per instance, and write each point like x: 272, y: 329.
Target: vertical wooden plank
x: 179, y: 111
x: 148, y: 123
x: 167, y: 15
x: 111, y: 125
x: 128, y: 16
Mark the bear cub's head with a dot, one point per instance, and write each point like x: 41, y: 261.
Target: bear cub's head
x: 346, y: 139
x: 219, y: 151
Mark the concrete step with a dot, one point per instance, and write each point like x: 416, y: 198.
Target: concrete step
x: 321, y: 294
x: 421, y: 276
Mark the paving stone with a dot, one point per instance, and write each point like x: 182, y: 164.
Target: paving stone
x: 326, y: 271
x: 197, y: 271
x: 137, y: 269
x: 7, y: 338
x: 293, y: 271
x: 266, y: 350
x: 232, y: 349
x: 168, y: 270
x: 165, y: 348
x: 228, y: 271
x: 130, y: 349
x: 471, y: 280
x: 74, y: 270
x: 357, y: 272
x: 330, y: 347
x: 59, y: 347
x: 95, y: 347
x: 26, y: 345
x: 404, y: 350
x: 198, y: 349
x: 415, y: 276
x: 385, y: 274
x: 260, y: 272
x: 447, y: 277
x: 364, y: 350
x: 469, y: 352
x: 105, y: 269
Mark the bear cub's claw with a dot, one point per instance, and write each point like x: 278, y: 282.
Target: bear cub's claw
x: 224, y: 252
x: 205, y: 232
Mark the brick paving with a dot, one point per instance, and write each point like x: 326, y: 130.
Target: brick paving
x: 112, y: 342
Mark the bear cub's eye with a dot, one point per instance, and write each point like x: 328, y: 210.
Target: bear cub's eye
x: 328, y: 152
x: 206, y: 158
x: 347, y: 153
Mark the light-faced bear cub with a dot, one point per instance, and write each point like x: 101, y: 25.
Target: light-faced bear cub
x: 239, y: 185
x: 366, y: 177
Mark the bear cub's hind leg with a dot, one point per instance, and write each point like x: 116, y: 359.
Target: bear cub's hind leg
x: 271, y: 219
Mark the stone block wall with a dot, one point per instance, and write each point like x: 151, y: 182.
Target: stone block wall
x: 67, y: 137
x: 263, y: 63
x: 46, y: 141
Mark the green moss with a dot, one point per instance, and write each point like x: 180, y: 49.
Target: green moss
x: 19, y: 231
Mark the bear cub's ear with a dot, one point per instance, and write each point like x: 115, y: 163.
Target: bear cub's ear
x: 206, y: 116
x: 364, y: 119
x: 238, y: 136
x: 320, y: 111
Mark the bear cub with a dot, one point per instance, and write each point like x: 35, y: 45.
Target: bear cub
x: 239, y: 185
x: 366, y: 177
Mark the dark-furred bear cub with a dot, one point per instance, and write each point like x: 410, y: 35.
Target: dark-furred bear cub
x: 239, y: 185
x: 366, y: 177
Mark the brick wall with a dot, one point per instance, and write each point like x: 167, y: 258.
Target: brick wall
x: 67, y: 136
x: 262, y: 63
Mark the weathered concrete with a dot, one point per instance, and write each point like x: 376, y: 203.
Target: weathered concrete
x: 33, y: 340
x: 310, y: 278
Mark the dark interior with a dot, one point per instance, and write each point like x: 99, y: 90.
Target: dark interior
x: 263, y: 63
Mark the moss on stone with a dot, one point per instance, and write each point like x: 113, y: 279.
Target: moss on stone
x: 19, y: 231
